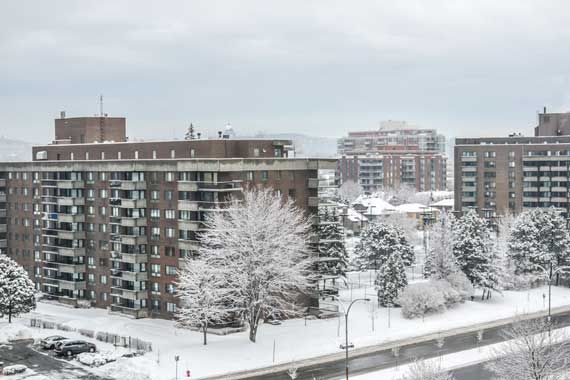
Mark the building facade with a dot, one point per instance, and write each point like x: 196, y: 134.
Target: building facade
x: 106, y: 224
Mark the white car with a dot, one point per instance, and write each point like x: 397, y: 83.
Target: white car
x: 51, y: 342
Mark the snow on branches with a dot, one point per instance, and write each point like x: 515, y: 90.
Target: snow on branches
x: 379, y: 241
x: 17, y: 292
x: 257, y: 250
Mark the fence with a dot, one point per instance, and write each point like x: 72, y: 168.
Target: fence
x: 117, y: 340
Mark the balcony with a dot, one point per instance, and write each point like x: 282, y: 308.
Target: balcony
x: 70, y: 235
x: 71, y: 268
x: 313, y: 202
x: 70, y: 184
x: 71, y: 285
x: 2, y: 182
x: 133, y: 240
x: 2, y: 213
x: 3, y: 228
x: 313, y: 183
x: 187, y: 186
x: 73, y: 252
x: 131, y: 258
x: 129, y: 294
x: 133, y: 222
x: 68, y: 218
x: 133, y: 203
x: 188, y: 244
x: 189, y: 225
x: 3, y: 243
x: 2, y: 197
x: 68, y: 201
x: 188, y: 205
x: 220, y: 186
x: 129, y: 276
x: 128, y: 311
x: 133, y: 185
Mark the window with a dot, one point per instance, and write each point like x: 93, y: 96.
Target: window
x: 170, y: 232
x: 154, y: 154
x: 155, y: 250
x: 90, y: 194
x: 155, y: 270
x: 490, y: 154
x: 256, y: 152
x: 103, y: 176
x: 169, y: 176
x: 155, y: 213
x: 102, y: 210
x: 103, y: 279
x: 103, y: 193
x: 136, y: 154
x: 119, y: 155
x: 169, y: 251
x: 511, y: 154
x: 155, y: 195
x: 103, y: 228
x: 102, y: 155
x: 170, y: 288
x: 264, y: 175
x: 170, y: 214
x: 172, y: 153
x: 171, y: 307
x: 511, y: 164
x: 91, y: 262
x: 192, y: 153
x: 86, y: 155
x: 91, y: 278
x: 155, y: 287
x: 249, y: 176
x: 168, y: 195
x: 155, y: 233
x: 170, y: 270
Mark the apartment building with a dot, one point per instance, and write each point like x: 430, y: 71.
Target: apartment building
x: 505, y: 175
x: 106, y: 223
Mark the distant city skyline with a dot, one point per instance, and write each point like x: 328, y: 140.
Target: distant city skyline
x: 319, y: 68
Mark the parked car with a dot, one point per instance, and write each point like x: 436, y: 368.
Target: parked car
x: 51, y: 342
x: 74, y: 347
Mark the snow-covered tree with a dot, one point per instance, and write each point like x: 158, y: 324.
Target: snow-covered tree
x: 427, y: 370
x: 408, y: 226
x: 440, y: 258
x: 17, y: 292
x: 472, y: 250
x: 259, y: 246
x: 539, y: 237
x: 349, y: 191
x: 532, y: 352
x: 333, y: 259
x: 381, y: 240
x: 190, y: 133
x: 420, y: 299
x: 203, y: 295
x: 391, y: 280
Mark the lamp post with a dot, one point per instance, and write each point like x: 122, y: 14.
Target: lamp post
x: 549, y: 273
x: 346, y: 346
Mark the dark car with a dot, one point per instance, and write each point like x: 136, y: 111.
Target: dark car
x: 74, y: 347
x: 51, y: 342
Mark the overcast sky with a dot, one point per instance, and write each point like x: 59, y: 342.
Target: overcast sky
x: 316, y: 67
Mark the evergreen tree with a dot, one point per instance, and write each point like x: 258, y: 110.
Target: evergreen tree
x: 190, y: 133
x: 333, y: 259
x: 391, y: 280
x: 539, y: 237
x: 381, y: 240
x: 441, y: 260
x: 473, y: 252
x: 17, y: 292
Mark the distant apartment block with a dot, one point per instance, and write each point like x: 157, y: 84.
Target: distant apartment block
x: 397, y: 154
x: 97, y: 219
x: 505, y: 175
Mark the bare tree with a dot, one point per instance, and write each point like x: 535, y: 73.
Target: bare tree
x: 203, y: 295
x: 259, y: 246
x: 427, y: 370
x: 531, y: 352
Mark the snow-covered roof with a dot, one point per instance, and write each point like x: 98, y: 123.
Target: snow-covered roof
x: 374, y: 206
x: 411, y: 207
x: 444, y: 203
x: 355, y: 216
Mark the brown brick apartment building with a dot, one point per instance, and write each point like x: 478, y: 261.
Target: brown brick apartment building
x: 107, y: 223
x: 504, y: 175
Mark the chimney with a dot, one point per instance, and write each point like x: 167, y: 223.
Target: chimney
x: 62, y: 115
x: 220, y: 134
x: 198, y: 135
x: 544, y: 110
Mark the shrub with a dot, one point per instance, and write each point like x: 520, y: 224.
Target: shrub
x: 450, y: 294
x: 461, y: 284
x: 420, y: 299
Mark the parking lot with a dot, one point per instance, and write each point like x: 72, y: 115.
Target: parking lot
x: 43, y: 362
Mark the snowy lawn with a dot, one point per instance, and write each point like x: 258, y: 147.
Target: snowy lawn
x: 294, y: 339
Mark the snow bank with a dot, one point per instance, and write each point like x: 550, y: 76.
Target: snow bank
x: 14, y: 369
x: 98, y: 359
x: 14, y: 331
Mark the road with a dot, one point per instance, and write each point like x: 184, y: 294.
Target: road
x: 386, y: 358
x: 43, y: 363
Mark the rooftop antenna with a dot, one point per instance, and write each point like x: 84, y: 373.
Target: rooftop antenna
x: 101, y: 105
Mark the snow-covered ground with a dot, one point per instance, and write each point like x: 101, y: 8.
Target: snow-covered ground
x: 293, y: 340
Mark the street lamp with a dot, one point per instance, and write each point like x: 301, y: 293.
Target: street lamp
x: 346, y: 346
x: 550, y: 274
